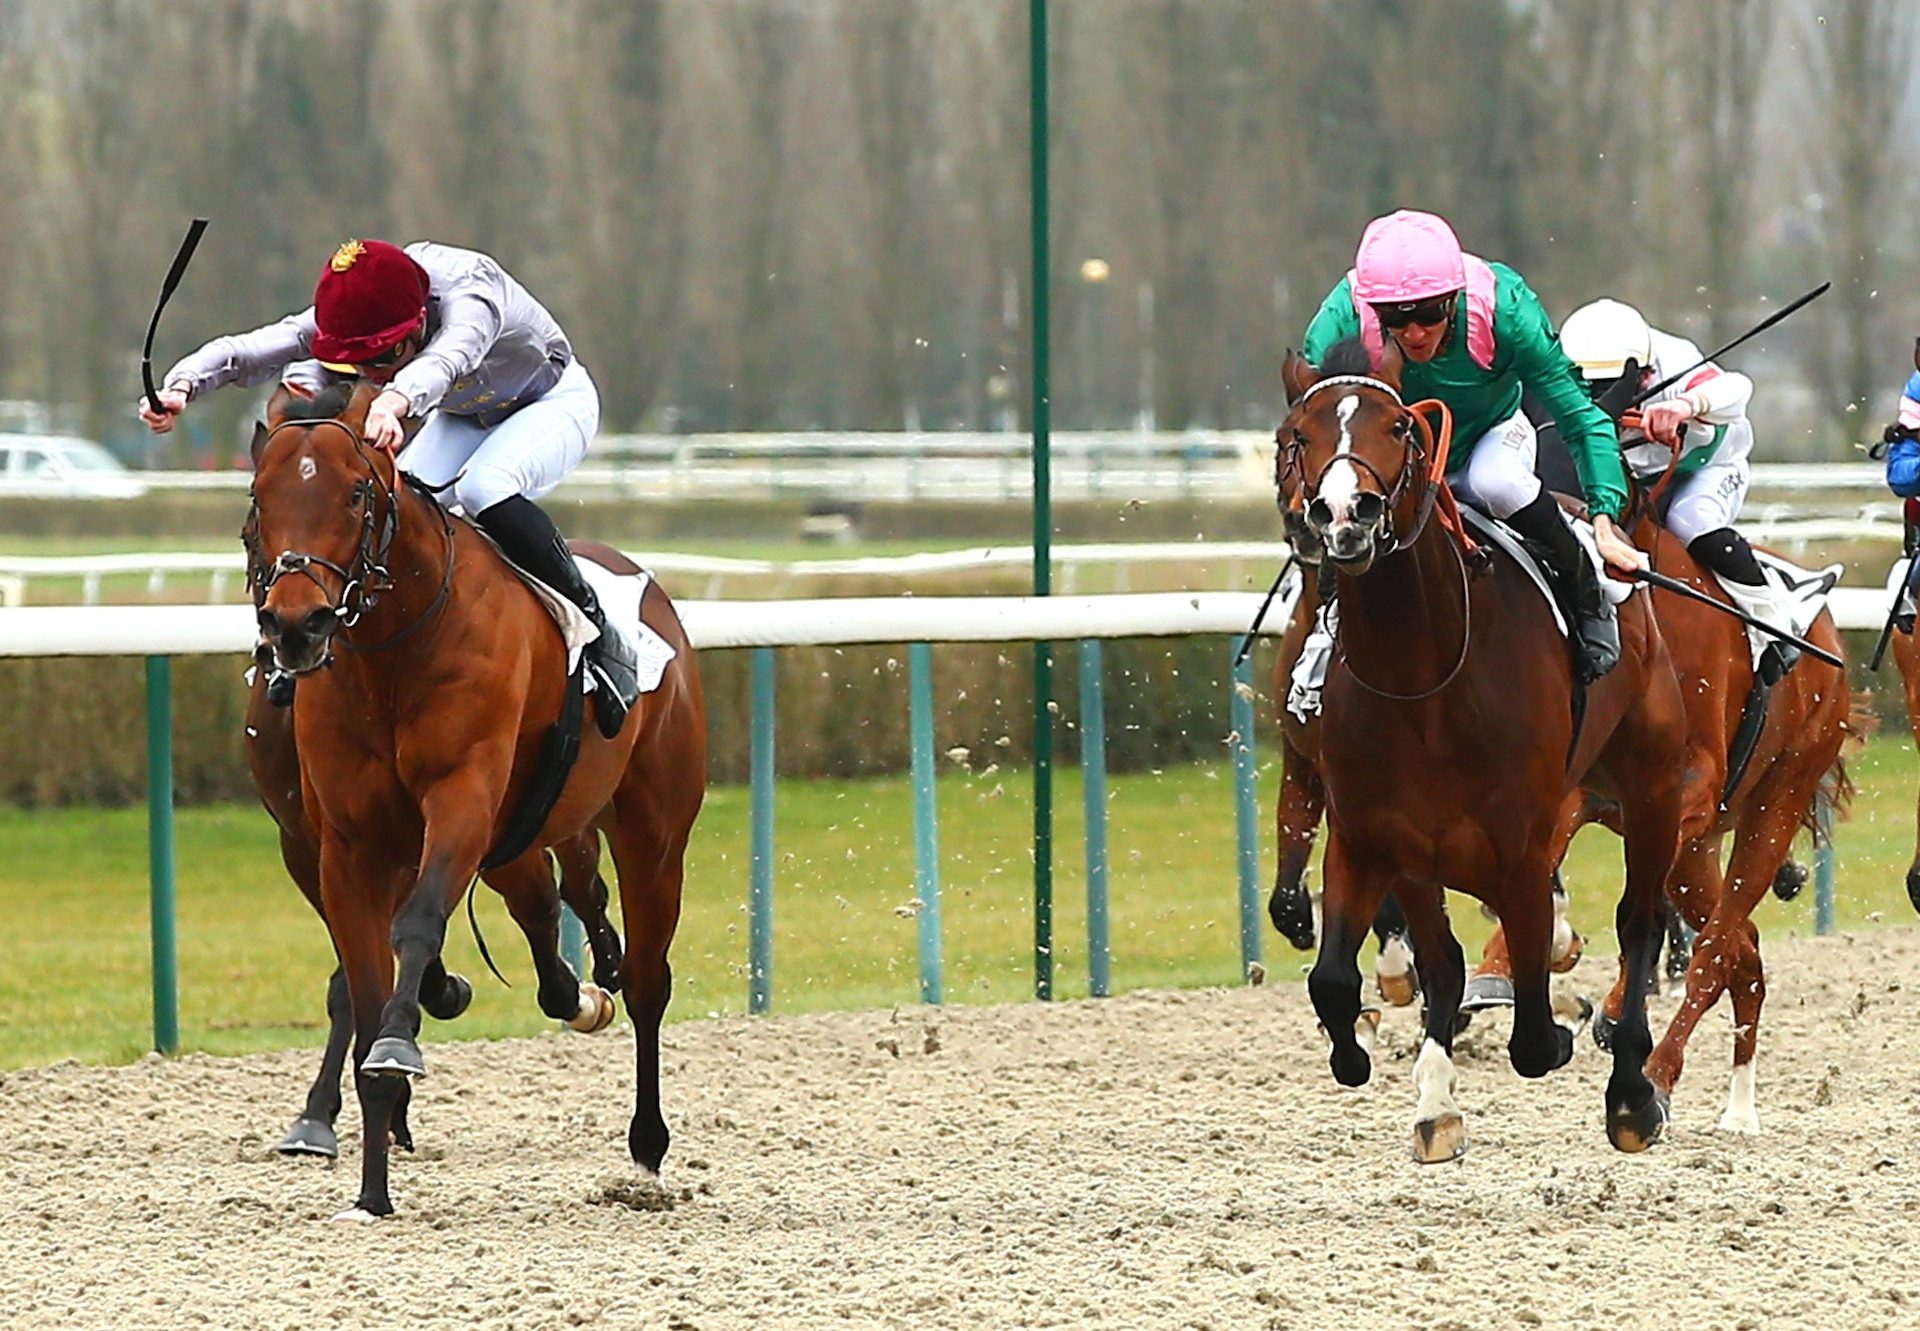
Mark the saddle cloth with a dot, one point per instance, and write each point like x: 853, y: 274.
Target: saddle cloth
x: 1803, y: 594
x: 1310, y: 671
x: 620, y: 595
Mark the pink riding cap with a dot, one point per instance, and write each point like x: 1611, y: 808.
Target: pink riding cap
x: 1412, y: 255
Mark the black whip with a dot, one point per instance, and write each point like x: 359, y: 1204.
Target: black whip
x: 1246, y: 643
x: 180, y: 262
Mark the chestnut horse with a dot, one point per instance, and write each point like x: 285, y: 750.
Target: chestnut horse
x: 416, y: 746
x: 1906, y: 657
x: 1449, y: 746
x: 529, y: 892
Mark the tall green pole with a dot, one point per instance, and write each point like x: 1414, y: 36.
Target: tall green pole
x: 166, y: 984
x: 1042, y: 510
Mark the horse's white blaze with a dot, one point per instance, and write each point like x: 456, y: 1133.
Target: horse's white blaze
x: 1342, y: 481
x: 1742, y: 1114
x: 307, y: 469
x: 1433, y: 1080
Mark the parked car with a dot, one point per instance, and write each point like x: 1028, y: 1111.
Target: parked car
x: 57, y: 466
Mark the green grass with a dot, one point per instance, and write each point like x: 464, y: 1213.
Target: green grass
x: 253, y: 960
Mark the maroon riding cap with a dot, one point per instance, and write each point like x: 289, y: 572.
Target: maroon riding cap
x: 371, y: 295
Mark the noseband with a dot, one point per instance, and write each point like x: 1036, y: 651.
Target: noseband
x: 366, y: 578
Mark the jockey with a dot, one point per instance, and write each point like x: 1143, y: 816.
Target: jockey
x: 444, y: 331
x: 1474, y: 336
x: 1703, y: 420
x: 1901, y: 444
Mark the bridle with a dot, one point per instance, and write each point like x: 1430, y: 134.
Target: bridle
x: 1427, y: 447
x: 366, y: 578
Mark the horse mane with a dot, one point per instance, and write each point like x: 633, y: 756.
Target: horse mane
x: 328, y: 403
x: 1347, y: 356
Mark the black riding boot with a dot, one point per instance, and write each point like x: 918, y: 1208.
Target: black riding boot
x: 1596, y: 634
x: 530, y: 539
x: 1726, y: 552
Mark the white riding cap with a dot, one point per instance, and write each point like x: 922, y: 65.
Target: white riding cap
x: 1603, y: 336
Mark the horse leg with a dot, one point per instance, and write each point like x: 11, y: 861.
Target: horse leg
x: 648, y: 835
x: 357, y: 895
x: 1395, y: 974
x: 1302, y: 800
x: 1636, y: 1108
x: 527, y: 885
x: 1439, y: 1129
x: 1538, y: 1043
x: 451, y: 851
x: 582, y: 888
x: 1348, y: 901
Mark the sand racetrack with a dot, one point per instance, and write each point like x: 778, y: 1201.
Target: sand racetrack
x: 1159, y: 1159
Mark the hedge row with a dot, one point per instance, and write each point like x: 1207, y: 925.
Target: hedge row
x: 73, y: 731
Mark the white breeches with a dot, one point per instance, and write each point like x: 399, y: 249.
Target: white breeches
x: 1711, y: 498
x: 528, y: 453
x: 1498, y: 478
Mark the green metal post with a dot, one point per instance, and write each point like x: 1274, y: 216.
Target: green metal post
x: 926, y: 817
x: 1093, y: 772
x: 1823, y: 867
x: 1042, y: 506
x: 760, y: 866
x: 1246, y: 808
x: 166, y: 976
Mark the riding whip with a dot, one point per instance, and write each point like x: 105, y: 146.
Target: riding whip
x: 1253, y: 630
x: 1678, y: 588
x: 1755, y: 331
x: 1886, y: 630
x: 180, y: 262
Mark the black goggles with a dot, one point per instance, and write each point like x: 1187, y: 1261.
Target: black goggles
x: 1425, y: 313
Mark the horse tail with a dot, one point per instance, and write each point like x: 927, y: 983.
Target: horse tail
x: 1836, y: 789
x: 473, y: 922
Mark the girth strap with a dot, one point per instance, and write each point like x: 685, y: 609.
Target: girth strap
x: 558, y: 752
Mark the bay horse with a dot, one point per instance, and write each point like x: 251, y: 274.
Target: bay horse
x: 528, y: 888
x: 418, y: 741
x: 1449, y: 746
x: 1906, y: 659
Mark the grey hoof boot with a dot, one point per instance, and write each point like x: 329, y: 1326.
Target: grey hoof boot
x: 309, y: 1136
x: 1486, y: 991
x: 393, y: 1056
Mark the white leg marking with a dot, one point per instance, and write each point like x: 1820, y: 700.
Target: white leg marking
x: 1396, y: 958
x: 1433, y: 1079
x: 355, y: 1216
x: 1742, y: 1114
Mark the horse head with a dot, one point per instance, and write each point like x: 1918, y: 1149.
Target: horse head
x: 1350, y: 456
x: 324, y: 504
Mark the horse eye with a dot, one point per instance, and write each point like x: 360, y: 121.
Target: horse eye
x: 1299, y: 439
x: 1401, y: 426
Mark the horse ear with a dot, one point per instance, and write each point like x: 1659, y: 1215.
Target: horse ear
x: 1392, y: 362
x: 355, y: 413
x: 283, y: 397
x: 1297, y: 375
x: 260, y: 433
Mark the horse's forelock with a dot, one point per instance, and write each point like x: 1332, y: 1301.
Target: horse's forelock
x: 327, y: 404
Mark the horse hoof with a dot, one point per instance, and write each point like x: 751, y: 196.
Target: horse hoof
x: 392, y: 1056
x: 355, y: 1215
x: 1571, y: 957
x: 1603, y: 1026
x: 1573, y: 1013
x: 1351, y: 1066
x: 1485, y: 991
x: 1366, y: 1028
x: 1789, y: 879
x: 1633, y: 1130
x: 1745, y: 1123
x: 452, y: 1001
x: 1438, y: 1140
x: 596, y: 1010
x: 1394, y: 973
x: 309, y: 1136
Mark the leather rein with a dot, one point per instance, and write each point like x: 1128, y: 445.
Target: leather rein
x: 1427, y: 448
x: 366, y: 578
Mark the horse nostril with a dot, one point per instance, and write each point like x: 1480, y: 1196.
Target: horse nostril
x: 320, y: 623
x: 1369, y: 508
x: 269, y: 623
x: 1319, y: 514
